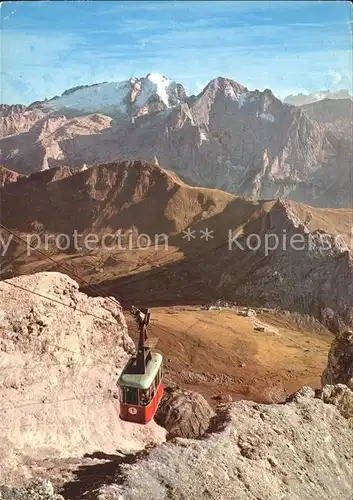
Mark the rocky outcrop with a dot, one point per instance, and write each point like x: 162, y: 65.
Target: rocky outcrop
x: 339, y: 368
x: 17, y: 119
x: 341, y: 396
x: 61, y: 353
x: 39, y: 490
x: 307, y: 280
x: 294, y: 450
x: 183, y: 413
x: 46, y: 142
x: 8, y: 176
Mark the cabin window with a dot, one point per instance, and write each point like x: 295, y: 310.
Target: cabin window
x: 152, y: 388
x: 145, y: 397
x: 131, y: 396
x: 157, y: 379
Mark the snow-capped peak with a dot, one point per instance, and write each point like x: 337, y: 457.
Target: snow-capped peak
x: 124, y: 98
x: 158, y: 79
x: 155, y: 84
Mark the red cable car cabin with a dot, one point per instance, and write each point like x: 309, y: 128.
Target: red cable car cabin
x: 140, y: 394
x: 140, y: 382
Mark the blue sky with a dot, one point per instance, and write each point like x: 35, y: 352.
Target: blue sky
x: 294, y: 46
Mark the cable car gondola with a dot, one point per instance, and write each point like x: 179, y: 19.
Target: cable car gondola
x: 140, y: 382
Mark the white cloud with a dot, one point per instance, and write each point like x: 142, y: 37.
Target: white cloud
x: 335, y: 76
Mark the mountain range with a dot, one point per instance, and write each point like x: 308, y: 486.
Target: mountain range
x: 141, y: 198
x: 301, y: 99
x: 227, y: 137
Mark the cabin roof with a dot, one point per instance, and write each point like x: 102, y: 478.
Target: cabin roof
x: 141, y: 381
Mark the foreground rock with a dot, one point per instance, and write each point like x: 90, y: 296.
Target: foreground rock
x: 184, y: 413
x: 300, y: 450
x: 339, y: 368
x: 60, y: 356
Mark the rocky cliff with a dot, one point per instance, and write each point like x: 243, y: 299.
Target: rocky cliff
x: 60, y: 356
